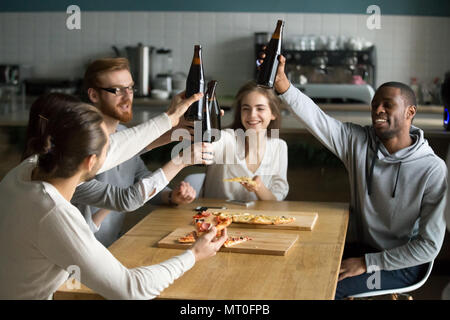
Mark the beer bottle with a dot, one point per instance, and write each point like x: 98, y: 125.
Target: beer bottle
x: 268, y: 69
x: 206, y: 122
x: 195, y: 83
x: 214, y: 111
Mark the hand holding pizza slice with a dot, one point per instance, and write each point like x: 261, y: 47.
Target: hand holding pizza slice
x: 208, y: 244
x: 204, y: 220
x: 246, y: 180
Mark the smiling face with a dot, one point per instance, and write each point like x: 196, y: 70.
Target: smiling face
x: 118, y: 107
x: 255, y: 111
x: 391, y: 116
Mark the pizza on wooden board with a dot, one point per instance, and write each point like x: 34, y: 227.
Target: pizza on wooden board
x: 250, y: 218
x: 232, y: 241
x: 189, y: 238
x: 192, y: 236
x: 203, y: 221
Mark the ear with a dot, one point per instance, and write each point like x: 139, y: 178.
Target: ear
x: 89, y: 162
x: 93, y: 95
x: 411, y: 112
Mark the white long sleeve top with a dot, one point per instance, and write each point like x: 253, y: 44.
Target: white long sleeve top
x: 42, y: 235
x: 229, y: 157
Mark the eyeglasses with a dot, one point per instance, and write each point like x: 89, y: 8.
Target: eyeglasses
x: 120, y: 91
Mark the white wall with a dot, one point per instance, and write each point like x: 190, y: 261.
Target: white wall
x: 407, y: 46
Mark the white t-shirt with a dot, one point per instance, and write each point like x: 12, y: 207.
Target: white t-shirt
x: 229, y: 155
x: 42, y: 235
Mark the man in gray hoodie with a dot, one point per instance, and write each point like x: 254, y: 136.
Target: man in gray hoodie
x: 397, y: 184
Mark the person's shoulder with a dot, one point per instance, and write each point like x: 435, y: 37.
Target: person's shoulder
x: 121, y: 127
x: 437, y: 164
x: 359, y: 130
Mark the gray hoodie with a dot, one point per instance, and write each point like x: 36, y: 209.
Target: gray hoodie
x: 397, y: 200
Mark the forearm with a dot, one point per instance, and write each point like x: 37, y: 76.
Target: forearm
x: 173, y: 167
x: 161, y: 141
x: 264, y: 193
x: 127, y: 143
x: 106, y: 196
x: 99, y: 216
x: 332, y: 133
x: 414, y: 253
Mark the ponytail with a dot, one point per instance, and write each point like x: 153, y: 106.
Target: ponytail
x: 42, y: 109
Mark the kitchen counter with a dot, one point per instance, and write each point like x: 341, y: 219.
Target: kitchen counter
x: 428, y: 118
x: 228, y: 102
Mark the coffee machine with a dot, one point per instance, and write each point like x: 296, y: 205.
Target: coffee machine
x: 328, y: 68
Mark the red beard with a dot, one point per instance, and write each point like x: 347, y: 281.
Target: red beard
x: 116, y: 113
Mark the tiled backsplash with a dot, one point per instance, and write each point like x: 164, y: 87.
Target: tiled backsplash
x: 407, y: 46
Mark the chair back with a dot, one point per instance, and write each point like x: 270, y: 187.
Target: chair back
x: 398, y: 290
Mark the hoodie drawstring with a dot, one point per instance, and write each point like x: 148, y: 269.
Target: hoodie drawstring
x: 372, y: 165
x: 396, y: 179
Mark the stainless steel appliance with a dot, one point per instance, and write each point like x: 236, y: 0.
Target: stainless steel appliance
x: 343, y: 66
x: 337, y: 93
x: 334, y: 75
x: 140, y: 64
x: 161, y: 70
x: 328, y: 68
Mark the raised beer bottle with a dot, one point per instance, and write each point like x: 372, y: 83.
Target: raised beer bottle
x: 195, y: 83
x: 268, y: 70
x: 214, y: 111
x: 206, y: 122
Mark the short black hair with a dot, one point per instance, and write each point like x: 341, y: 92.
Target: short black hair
x: 406, y: 91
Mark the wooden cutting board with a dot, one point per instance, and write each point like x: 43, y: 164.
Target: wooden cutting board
x: 261, y: 243
x: 303, y: 220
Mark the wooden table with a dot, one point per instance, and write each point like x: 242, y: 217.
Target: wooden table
x: 308, y: 271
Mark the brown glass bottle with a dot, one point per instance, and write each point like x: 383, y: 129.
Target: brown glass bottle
x: 214, y: 111
x: 206, y: 122
x: 195, y: 83
x: 268, y: 70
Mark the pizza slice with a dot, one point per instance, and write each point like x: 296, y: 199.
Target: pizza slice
x: 275, y: 220
x: 283, y: 219
x: 244, y: 217
x: 232, y: 241
x: 249, y: 218
x: 242, y: 179
x: 204, y: 220
x: 189, y: 238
